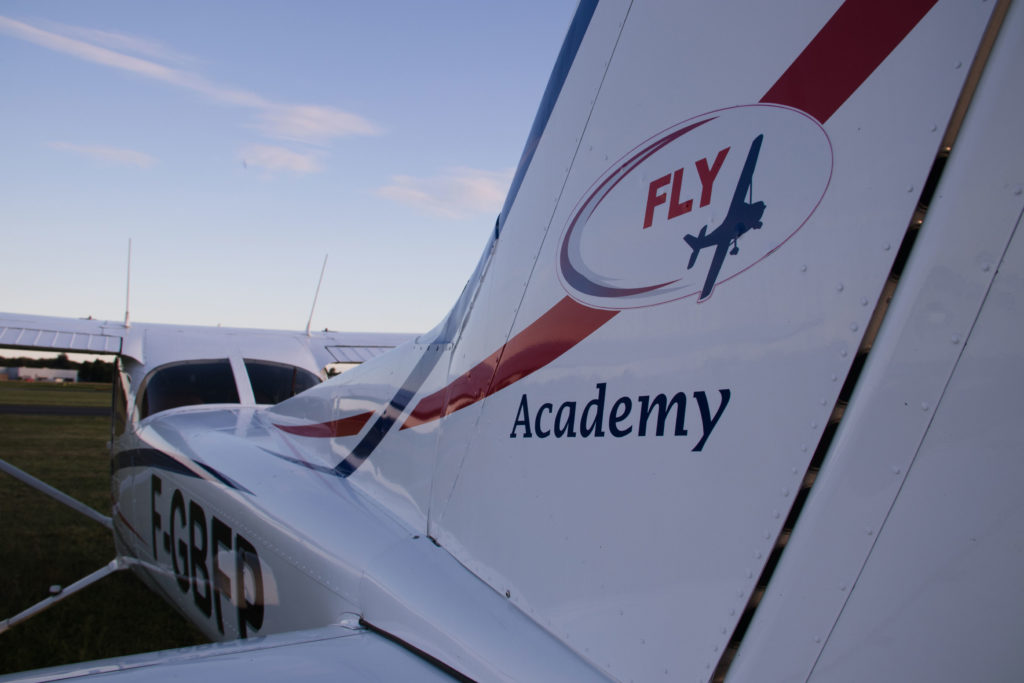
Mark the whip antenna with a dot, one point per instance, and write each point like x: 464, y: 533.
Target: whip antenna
x: 319, y: 282
x: 128, y: 285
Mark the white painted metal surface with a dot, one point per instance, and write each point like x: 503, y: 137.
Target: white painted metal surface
x: 948, y: 278
x: 939, y: 597
x: 606, y: 541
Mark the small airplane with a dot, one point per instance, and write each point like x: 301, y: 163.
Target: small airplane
x: 814, y: 476
x: 742, y: 216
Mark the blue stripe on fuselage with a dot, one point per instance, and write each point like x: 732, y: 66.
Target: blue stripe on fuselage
x: 151, y: 457
x: 566, y: 56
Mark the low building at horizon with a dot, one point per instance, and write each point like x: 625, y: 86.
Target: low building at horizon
x: 38, y: 374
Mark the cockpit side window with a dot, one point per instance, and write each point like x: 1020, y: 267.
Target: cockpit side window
x: 275, y: 382
x: 188, y: 383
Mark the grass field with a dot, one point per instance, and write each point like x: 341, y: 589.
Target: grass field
x: 43, y: 543
x: 46, y: 393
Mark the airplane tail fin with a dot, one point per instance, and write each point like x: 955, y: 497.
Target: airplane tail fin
x: 622, y: 464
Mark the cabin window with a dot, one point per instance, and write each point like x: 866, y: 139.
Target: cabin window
x: 275, y: 382
x: 187, y: 384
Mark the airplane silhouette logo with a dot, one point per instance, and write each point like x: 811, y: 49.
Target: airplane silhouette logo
x: 635, y: 237
x: 742, y: 217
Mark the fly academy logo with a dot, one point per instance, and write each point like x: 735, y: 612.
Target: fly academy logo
x: 694, y: 206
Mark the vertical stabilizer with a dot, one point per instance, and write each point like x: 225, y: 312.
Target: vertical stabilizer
x: 592, y: 433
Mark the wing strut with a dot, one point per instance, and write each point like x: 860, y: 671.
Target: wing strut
x: 117, y: 564
x: 56, y: 494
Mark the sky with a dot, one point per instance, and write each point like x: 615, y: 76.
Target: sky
x: 236, y: 143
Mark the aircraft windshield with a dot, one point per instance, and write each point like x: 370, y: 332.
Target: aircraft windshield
x: 187, y: 384
x: 274, y: 382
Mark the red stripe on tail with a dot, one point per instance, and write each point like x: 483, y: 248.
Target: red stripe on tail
x: 564, y: 326
x: 858, y: 37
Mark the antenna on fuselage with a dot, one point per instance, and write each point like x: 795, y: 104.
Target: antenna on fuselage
x: 128, y: 285
x: 309, y: 323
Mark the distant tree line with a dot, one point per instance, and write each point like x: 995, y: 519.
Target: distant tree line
x: 88, y: 371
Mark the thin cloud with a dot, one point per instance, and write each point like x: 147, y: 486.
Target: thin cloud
x: 313, y: 124
x: 120, y: 42
x: 274, y: 158
x: 110, y: 155
x: 456, y: 193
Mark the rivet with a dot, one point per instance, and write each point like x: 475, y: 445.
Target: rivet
x: 835, y: 378
x: 958, y: 65
x: 910, y: 189
x: 793, y: 470
x: 785, y: 493
x: 934, y: 128
x: 776, y: 514
x: 803, y: 268
x: 843, y: 353
x: 814, y: 425
x: 854, y: 327
x: 724, y: 630
x: 817, y: 639
x: 986, y: 267
x: 757, y: 555
x: 955, y: 339
x: 732, y: 613
x: 924, y: 405
x: 897, y: 470
x: 839, y: 287
x: 886, y: 247
x: 767, y: 537
x: 803, y: 449
x: 842, y: 587
x: 864, y: 301
x: 869, y: 531
x: 1018, y: 190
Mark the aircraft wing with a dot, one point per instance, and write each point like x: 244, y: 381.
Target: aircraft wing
x: 44, y: 333
x: 331, y: 652
x: 87, y: 335
x: 357, y: 347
